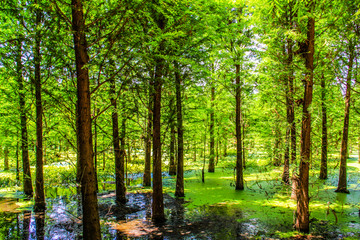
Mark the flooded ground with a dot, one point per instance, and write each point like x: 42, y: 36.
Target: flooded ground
x: 210, y: 210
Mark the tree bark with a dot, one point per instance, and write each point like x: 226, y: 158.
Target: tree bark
x: 342, y: 184
x: 91, y: 223
x: 172, y: 165
x: 211, y: 130
x: 239, y: 164
x: 119, y: 159
x: 147, y: 170
x: 302, y: 211
x: 28, y: 189
x: 179, y: 191
x: 39, y: 183
x: 323, y: 167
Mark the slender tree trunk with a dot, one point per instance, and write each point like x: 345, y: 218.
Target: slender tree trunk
x: 39, y: 183
x: 28, y: 189
x: 119, y: 159
x: 277, y: 143
x: 147, y: 170
x: 342, y: 184
x: 239, y: 164
x: 323, y: 167
x: 17, y: 161
x: 122, y: 193
x: 242, y: 120
x: 286, y: 173
x: 172, y: 165
x: 158, y: 201
x: 179, y: 191
x: 95, y: 151
x: 211, y: 129
x: 302, y: 211
x: 91, y: 221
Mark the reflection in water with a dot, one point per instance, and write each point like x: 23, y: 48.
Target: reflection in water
x: 26, y: 224
x: 40, y: 224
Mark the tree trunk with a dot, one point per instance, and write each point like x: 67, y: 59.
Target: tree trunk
x: 342, y: 184
x: 277, y: 143
x: 211, y: 129
x: 147, y: 170
x: 323, y: 167
x: 95, y: 151
x: 179, y: 192
x: 121, y: 197
x: 286, y: 173
x: 91, y: 223
x: 28, y: 189
x: 172, y: 166
x: 119, y: 160
x: 39, y: 183
x: 239, y: 164
x: 302, y: 211
x: 158, y: 201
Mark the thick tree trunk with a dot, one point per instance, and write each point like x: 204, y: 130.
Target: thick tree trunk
x: 39, y: 183
x: 119, y: 160
x: 91, y: 223
x: 323, y: 167
x: 342, y: 184
x: 147, y: 170
x: 239, y: 164
x: 28, y: 189
x: 179, y: 191
x: 172, y: 165
x: 211, y: 130
x: 302, y: 211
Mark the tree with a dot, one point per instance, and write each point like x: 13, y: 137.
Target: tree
x: 39, y: 181
x: 179, y: 191
x: 91, y: 221
x: 28, y: 189
x: 307, y: 47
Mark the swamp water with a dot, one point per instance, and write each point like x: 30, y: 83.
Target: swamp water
x: 211, y: 210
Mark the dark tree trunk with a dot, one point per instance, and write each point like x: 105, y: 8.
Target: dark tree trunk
x: 239, y: 164
x: 39, y: 183
x: 302, y: 211
x: 172, y: 165
x: 122, y: 197
x: 28, y: 189
x: 179, y: 191
x: 147, y: 170
x: 286, y: 173
x: 91, y: 223
x: 277, y: 143
x: 40, y: 225
x: 242, y: 120
x: 95, y: 151
x: 211, y: 129
x: 342, y: 184
x: 119, y: 160
x: 323, y: 167
x: 158, y: 201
